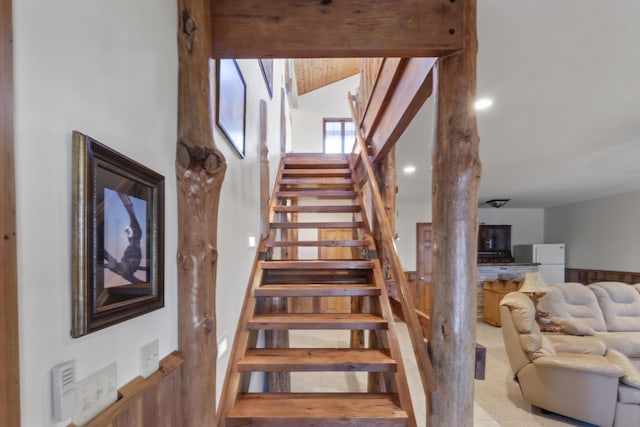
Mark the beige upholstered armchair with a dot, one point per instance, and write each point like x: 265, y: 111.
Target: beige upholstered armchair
x: 571, y: 376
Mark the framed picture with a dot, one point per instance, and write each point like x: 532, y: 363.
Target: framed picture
x: 266, y: 65
x: 231, y: 101
x: 118, y: 234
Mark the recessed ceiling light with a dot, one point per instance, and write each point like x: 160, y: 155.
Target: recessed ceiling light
x: 483, y: 103
x: 409, y: 169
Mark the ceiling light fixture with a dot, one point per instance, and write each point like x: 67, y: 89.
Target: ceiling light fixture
x: 483, y: 103
x: 497, y: 203
x: 409, y: 169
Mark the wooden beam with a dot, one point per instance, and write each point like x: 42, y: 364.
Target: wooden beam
x: 340, y: 29
x: 200, y: 169
x: 9, y: 360
x: 388, y: 75
x: 407, y: 93
x: 456, y: 177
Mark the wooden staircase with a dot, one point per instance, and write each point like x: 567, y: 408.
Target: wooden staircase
x: 319, y: 187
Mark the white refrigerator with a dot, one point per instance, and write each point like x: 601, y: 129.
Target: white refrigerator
x: 550, y: 256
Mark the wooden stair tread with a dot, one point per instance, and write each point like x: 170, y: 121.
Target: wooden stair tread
x: 332, y: 224
x: 317, y: 321
x: 317, y: 360
x: 318, y: 265
x: 317, y: 409
x: 316, y: 161
x: 333, y: 172
x: 316, y: 290
x: 317, y: 209
x: 291, y: 243
x: 315, y: 180
x: 295, y: 194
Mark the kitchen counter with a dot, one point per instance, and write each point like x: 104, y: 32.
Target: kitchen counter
x: 495, y: 271
x: 508, y: 264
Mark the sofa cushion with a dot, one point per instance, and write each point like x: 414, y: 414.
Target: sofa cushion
x: 631, y: 375
x: 573, y: 326
x: 627, y: 343
x: 573, y: 301
x: 620, y: 304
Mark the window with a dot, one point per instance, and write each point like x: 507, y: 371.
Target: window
x: 339, y: 135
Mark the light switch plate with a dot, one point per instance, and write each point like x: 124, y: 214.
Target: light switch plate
x: 96, y: 393
x: 149, y: 359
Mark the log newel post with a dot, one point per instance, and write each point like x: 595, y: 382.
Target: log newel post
x: 200, y: 169
x: 456, y: 177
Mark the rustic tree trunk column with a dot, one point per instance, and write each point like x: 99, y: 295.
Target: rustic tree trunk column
x: 9, y: 363
x: 456, y: 176
x: 200, y: 169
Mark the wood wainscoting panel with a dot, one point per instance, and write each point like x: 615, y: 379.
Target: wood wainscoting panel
x: 587, y: 276
x: 155, y: 401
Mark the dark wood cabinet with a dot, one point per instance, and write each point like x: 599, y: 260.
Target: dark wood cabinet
x: 494, y: 244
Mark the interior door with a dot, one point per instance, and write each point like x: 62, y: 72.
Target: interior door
x: 334, y: 304
x: 423, y: 266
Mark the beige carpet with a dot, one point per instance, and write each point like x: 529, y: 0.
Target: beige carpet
x: 497, y: 398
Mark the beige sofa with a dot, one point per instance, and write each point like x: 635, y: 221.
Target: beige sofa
x: 609, y: 311
x: 572, y: 376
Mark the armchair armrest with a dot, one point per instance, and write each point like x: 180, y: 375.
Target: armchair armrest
x: 586, y: 363
x: 575, y: 344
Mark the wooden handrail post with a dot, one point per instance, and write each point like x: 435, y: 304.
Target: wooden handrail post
x: 9, y: 357
x: 456, y: 177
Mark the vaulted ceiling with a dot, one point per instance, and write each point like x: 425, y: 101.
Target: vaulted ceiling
x: 312, y: 74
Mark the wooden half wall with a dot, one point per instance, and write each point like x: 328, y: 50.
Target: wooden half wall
x: 587, y: 276
x: 9, y: 364
x: 152, y: 402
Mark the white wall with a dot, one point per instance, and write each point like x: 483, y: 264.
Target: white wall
x: 107, y: 69
x: 328, y: 101
x: 239, y: 214
x: 601, y: 234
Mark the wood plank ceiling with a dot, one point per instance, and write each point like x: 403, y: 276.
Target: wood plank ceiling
x: 313, y: 74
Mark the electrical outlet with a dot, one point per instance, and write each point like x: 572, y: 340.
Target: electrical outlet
x: 149, y: 359
x: 252, y: 241
x: 95, y: 393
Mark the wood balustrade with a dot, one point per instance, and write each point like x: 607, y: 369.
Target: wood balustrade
x: 403, y: 292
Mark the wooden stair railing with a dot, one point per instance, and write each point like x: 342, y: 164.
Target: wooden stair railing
x: 405, y: 298
x: 310, y: 180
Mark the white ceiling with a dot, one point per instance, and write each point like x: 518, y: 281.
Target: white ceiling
x: 565, y: 123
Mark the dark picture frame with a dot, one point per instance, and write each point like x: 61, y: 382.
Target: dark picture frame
x: 231, y: 103
x: 118, y: 237
x: 266, y: 66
